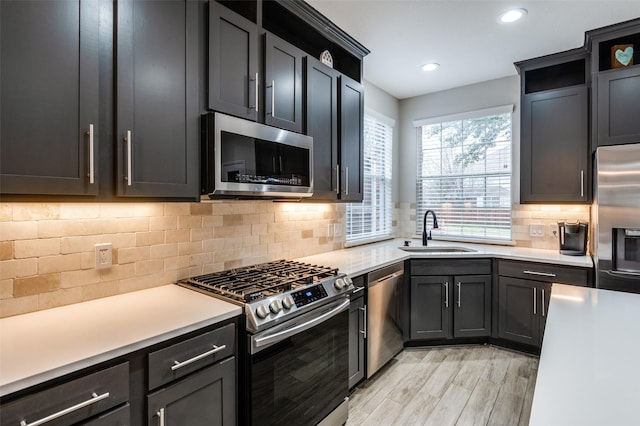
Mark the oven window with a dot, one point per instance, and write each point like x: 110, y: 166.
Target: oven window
x: 302, y: 379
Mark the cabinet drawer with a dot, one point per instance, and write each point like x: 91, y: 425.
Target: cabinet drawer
x: 119, y: 417
x: 73, y: 401
x: 544, y: 272
x: 450, y: 267
x: 189, y: 355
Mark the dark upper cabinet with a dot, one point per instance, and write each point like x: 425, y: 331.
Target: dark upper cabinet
x: 351, y: 127
x: 554, y: 164
x: 233, y: 63
x: 157, y: 119
x: 283, y: 84
x: 49, y: 97
x: 619, y: 106
x: 555, y: 129
x: 322, y: 125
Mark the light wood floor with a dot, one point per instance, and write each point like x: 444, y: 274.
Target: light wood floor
x: 476, y: 385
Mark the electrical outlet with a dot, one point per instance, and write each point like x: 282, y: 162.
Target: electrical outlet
x: 536, y: 230
x: 337, y: 230
x: 104, y: 256
x: 553, y: 229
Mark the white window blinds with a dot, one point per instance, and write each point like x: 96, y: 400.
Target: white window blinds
x: 464, y: 175
x: 371, y: 219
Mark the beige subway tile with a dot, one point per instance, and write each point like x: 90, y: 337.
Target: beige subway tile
x: 250, y: 219
x: 117, y: 210
x: 79, y: 278
x: 177, y: 236
x: 88, y: 259
x: 212, y: 221
x: 132, y: 254
x: 147, y: 281
x: 36, y: 248
x: 18, y: 305
x: 162, y: 251
x: 118, y: 272
x: 6, y: 250
x: 177, y: 209
x: 120, y: 240
x: 36, y: 211
x: 259, y: 229
x: 250, y: 240
x: 176, y: 263
x: 133, y: 224
x: 232, y: 219
x: 224, y: 256
x: 79, y: 244
x: 149, y: 238
x: 211, y: 268
x: 232, y: 243
x: 18, y: 268
x: 18, y: 230
x: 147, y: 267
x: 28, y: 286
x: 287, y: 236
x: 231, y: 264
x: 162, y: 223
x: 56, y: 228
x: 267, y: 238
x: 6, y: 289
x: 200, y: 209
x: 200, y: 259
x: 214, y: 244
x: 267, y: 218
x: 59, y: 263
x: 189, y: 222
x: 61, y: 297
x: 199, y: 234
x: 6, y: 212
x: 189, y: 248
x: 99, y: 290
x: 307, y: 233
x: 79, y: 210
x: 149, y: 209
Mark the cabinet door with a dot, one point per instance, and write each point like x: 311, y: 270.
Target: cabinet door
x: 472, y: 311
x: 49, y: 97
x: 619, y: 106
x: 518, y: 307
x: 157, y: 98
x: 357, y: 332
x: 430, y: 301
x: 233, y: 63
x: 555, y: 137
x: 544, y: 291
x: 351, y: 139
x: 283, y: 84
x: 322, y: 124
x: 205, y: 398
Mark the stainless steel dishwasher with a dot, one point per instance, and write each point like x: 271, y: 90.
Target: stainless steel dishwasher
x: 384, y: 334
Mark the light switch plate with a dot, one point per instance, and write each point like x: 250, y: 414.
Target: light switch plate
x: 104, y: 256
x: 536, y: 230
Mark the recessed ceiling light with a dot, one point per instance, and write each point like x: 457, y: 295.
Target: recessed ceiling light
x: 431, y: 67
x: 512, y: 15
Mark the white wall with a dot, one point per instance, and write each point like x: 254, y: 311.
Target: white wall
x: 383, y: 103
x: 487, y: 94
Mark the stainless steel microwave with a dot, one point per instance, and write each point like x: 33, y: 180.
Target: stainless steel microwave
x: 244, y: 159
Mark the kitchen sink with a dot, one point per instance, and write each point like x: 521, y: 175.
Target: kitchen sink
x: 427, y: 249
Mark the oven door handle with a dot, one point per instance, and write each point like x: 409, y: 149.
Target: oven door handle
x: 270, y: 339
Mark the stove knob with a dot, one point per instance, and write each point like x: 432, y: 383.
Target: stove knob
x: 275, y: 306
x: 262, y: 311
x: 288, y: 302
x: 348, y: 280
x: 339, y: 284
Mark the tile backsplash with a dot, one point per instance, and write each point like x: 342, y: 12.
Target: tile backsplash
x: 47, y: 254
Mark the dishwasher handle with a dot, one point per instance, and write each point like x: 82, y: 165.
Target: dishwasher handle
x: 386, y: 278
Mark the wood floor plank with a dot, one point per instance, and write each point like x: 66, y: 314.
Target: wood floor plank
x: 472, y: 367
x: 417, y: 410
x: 385, y: 414
x: 450, y: 406
x: 446, y: 371
x: 480, y: 404
x: 419, y: 375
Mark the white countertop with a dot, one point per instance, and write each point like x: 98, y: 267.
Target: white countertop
x: 588, y: 372
x: 362, y: 259
x: 43, y: 345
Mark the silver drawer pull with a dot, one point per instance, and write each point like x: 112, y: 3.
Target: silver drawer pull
x: 160, y: 414
x: 178, y: 364
x: 540, y: 274
x: 94, y: 398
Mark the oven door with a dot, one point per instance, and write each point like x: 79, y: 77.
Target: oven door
x: 299, y: 370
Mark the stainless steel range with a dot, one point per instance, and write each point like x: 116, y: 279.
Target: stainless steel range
x: 297, y: 341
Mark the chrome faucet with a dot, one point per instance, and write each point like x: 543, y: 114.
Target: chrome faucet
x: 427, y: 236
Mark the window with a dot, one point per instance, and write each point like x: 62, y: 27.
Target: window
x: 371, y: 219
x: 464, y: 174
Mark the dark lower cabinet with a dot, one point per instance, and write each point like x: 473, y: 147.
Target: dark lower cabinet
x: 206, y: 398
x: 49, y: 54
x: 618, y: 106
x: 430, y: 315
x: 472, y: 306
x: 157, y: 118
x: 357, y: 334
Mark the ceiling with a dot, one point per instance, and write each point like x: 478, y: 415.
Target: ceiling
x: 463, y: 36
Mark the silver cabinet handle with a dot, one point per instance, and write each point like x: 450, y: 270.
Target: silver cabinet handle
x: 256, y: 87
x: 91, y: 156
x: 337, y: 178
x: 160, y: 414
x: 582, y: 183
x: 543, y: 313
x: 176, y: 364
x: 346, y: 180
x: 541, y: 274
x: 94, y: 399
x: 128, y: 141
x: 459, y: 293
x: 364, y: 315
x: 535, y: 310
x: 446, y: 294
x: 273, y: 98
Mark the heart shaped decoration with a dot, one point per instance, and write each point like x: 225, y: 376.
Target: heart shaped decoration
x: 624, y: 56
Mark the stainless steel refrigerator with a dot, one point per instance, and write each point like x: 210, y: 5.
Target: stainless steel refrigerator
x: 616, y: 214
